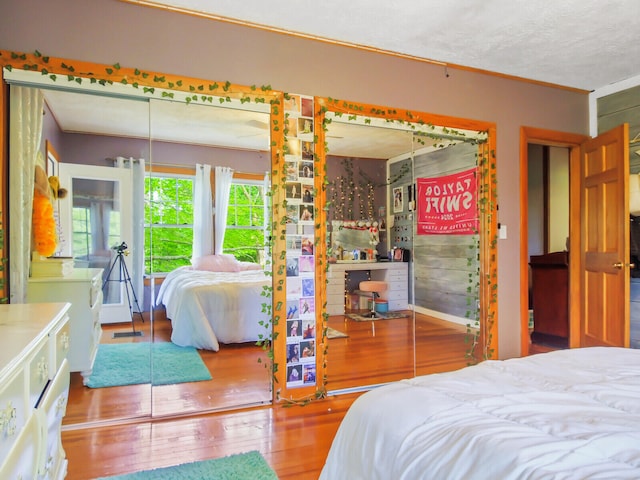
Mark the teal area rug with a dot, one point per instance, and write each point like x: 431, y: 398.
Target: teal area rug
x: 244, y: 466
x: 120, y: 364
x: 379, y: 316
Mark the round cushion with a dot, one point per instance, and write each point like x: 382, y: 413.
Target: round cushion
x: 373, y: 286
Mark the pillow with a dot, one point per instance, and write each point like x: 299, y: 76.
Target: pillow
x: 249, y: 266
x: 217, y: 263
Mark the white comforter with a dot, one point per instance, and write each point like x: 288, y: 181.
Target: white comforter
x: 209, y: 308
x: 571, y: 414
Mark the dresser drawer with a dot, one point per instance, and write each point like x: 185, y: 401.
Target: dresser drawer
x: 95, y: 291
x: 21, y: 460
x: 13, y: 411
x: 39, y: 371
x: 52, y: 409
x: 60, y: 344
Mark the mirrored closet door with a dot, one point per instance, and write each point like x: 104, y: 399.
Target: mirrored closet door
x: 130, y: 170
x: 208, y: 308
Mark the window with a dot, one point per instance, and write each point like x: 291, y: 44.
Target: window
x: 244, y: 237
x: 168, y: 221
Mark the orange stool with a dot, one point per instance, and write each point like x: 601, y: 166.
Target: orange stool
x: 374, y: 287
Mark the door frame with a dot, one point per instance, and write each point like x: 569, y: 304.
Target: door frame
x: 110, y: 312
x: 571, y: 141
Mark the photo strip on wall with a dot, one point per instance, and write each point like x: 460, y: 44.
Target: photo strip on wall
x: 300, y: 241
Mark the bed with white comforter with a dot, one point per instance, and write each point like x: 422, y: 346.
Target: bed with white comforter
x: 208, y: 308
x: 571, y: 414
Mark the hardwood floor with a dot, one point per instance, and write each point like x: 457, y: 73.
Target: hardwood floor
x: 294, y: 441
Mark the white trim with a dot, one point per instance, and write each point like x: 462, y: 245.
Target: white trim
x: 443, y: 316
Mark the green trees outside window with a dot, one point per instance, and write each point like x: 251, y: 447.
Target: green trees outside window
x: 169, y: 222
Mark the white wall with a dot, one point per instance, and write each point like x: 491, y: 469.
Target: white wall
x: 535, y: 211
x: 558, y: 198
x: 110, y: 31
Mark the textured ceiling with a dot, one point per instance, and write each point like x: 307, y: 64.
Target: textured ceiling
x: 584, y: 44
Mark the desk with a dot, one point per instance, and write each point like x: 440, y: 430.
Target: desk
x: 396, y: 274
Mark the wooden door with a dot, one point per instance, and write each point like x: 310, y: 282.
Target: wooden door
x: 604, y: 253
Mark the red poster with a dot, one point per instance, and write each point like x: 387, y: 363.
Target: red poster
x: 448, y: 205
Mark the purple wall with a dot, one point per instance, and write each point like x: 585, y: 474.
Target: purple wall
x: 161, y: 41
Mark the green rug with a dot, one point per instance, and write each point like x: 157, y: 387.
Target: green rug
x: 243, y: 466
x: 333, y: 333
x: 120, y: 364
x: 379, y: 316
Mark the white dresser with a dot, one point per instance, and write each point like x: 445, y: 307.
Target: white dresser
x: 396, y: 274
x: 34, y: 389
x: 83, y: 289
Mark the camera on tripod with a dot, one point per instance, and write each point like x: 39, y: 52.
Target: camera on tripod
x: 121, y: 248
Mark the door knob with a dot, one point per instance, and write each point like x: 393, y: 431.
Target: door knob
x: 619, y: 265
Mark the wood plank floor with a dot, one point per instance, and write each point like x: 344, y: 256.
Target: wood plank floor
x: 294, y: 441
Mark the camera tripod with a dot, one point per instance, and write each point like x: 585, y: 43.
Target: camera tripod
x: 123, y: 276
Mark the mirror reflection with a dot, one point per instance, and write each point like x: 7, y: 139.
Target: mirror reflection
x: 413, y: 309
x: 135, y: 170
x: 371, y: 338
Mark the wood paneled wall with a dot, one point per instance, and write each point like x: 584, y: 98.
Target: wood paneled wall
x: 622, y: 107
x: 446, y: 266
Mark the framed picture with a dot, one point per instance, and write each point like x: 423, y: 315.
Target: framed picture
x: 398, y: 203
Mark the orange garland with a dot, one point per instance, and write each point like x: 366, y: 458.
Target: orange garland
x: 44, y: 225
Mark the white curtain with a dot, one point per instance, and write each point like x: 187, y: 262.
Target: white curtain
x: 137, y: 212
x: 202, y: 213
x: 26, y: 106
x: 224, y: 177
x: 266, y: 257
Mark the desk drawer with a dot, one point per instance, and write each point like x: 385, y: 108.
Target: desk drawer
x: 333, y: 289
x: 395, y: 295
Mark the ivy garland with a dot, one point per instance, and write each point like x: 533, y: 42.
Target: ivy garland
x: 208, y: 93
x: 478, y: 333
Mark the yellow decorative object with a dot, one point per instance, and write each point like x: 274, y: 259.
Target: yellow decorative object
x: 56, y: 190
x: 44, y: 225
